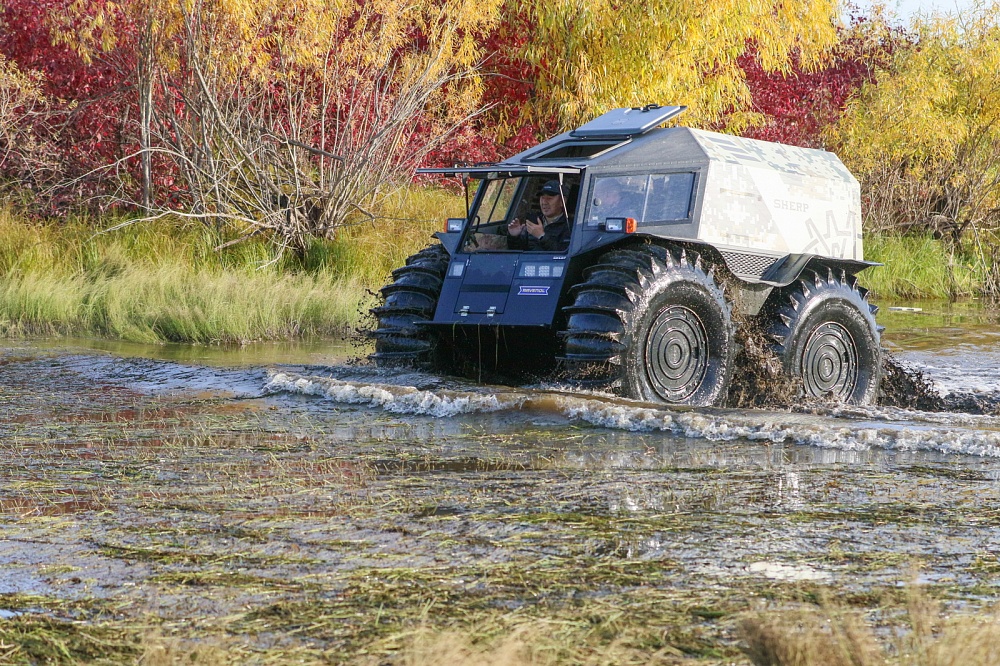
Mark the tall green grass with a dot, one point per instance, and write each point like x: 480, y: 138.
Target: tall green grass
x: 167, y: 281
x: 919, y: 267
x: 368, y: 250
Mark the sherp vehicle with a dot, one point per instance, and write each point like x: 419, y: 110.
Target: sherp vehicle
x: 678, y: 237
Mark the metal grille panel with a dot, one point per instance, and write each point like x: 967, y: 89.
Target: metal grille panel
x: 749, y: 265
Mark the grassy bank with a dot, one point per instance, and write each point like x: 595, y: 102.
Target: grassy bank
x: 166, y: 281
x: 920, y: 267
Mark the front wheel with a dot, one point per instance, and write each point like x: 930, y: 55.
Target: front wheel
x: 407, y: 302
x: 652, y: 324
x: 825, y: 334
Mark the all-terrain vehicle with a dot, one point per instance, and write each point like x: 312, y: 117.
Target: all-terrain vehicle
x: 678, y: 236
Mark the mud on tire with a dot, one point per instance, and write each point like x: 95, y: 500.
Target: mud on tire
x: 409, y: 299
x: 651, y: 324
x: 824, y: 332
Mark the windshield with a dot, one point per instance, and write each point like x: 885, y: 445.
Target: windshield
x: 504, y: 206
x: 497, y: 198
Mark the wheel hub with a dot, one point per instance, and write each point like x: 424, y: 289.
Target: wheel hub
x: 676, y: 353
x: 830, y: 362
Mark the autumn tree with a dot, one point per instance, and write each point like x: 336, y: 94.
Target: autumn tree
x: 924, y: 138
x: 591, y: 55
x: 925, y: 135
x: 292, y: 116
x: 82, y: 128
x: 22, y: 153
x: 297, y: 117
x: 798, y: 106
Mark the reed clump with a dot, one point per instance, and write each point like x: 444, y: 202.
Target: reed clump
x: 834, y: 636
x: 176, y: 281
x: 919, y: 267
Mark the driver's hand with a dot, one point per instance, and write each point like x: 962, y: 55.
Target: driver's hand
x: 515, y: 227
x: 536, y: 228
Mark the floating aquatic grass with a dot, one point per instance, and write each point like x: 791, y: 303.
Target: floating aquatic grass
x: 232, y: 532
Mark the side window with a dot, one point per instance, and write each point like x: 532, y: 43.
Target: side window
x: 496, y: 201
x: 617, y: 196
x: 651, y: 199
x: 669, y: 197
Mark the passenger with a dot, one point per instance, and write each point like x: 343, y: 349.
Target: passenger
x: 549, y: 231
x: 611, y: 201
x: 607, y: 193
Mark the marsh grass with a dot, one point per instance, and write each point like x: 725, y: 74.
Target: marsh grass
x: 175, y: 281
x: 368, y: 250
x: 832, y: 635
x: 167, y: 281
x: 919, y: 267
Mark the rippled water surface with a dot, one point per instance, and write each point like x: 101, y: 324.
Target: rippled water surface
x: 126, y: 468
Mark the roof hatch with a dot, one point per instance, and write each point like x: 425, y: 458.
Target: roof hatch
x: 625, y: 123
x: 580, y: 149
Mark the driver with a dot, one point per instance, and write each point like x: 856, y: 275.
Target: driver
x: 548, y: 231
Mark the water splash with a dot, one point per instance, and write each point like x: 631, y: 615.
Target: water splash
x: 834, y: 426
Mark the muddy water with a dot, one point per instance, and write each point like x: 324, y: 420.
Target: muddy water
x: 202, y: 487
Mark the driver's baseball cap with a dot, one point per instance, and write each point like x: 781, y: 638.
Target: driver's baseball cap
x: 551, y: 187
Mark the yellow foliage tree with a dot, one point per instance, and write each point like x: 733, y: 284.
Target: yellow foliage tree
x: 924, y: 137
x: 592, y: 55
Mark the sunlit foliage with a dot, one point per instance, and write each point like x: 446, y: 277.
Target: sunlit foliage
x: 797, y: 106
x: 592, y: 55
x: 924, y: 137
x: 288, y: 117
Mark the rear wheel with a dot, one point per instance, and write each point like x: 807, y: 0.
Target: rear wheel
x: 825, y: 334
x: 408, y: 300
x: 653, y: 325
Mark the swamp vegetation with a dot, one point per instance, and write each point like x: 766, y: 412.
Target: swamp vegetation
x: 166, y: 282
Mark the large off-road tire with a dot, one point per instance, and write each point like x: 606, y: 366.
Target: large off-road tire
x: 409, y: 299
x: 824, y: 332
x: 653, y: 325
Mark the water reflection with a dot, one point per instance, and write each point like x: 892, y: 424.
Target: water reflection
x: 954, y: 344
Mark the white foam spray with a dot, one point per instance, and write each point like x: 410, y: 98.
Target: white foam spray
x: 849, y: 428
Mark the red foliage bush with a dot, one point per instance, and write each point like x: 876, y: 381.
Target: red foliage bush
x: 506, y: 127
x: 89, y: 103
x: 798, y: 107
